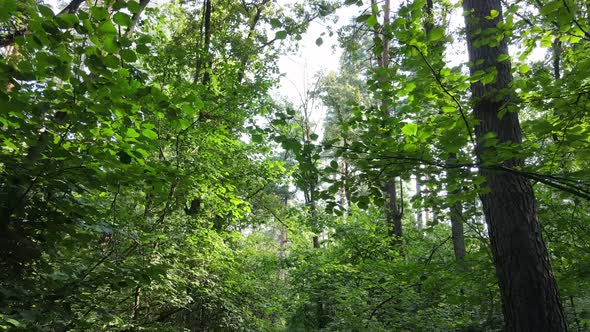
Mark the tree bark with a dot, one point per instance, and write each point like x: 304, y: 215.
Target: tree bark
x: 457, y: 231
x: 204, y: 59
x: 556, y: 48
x: 316, y: 241
x: 529, y: 293
x: 394, y: 216
x: 456, y: 212
x: 418, y: 207
x: 207, y: 46
x: 393, y: 212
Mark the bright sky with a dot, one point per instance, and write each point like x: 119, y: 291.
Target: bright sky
x: 300, y: 68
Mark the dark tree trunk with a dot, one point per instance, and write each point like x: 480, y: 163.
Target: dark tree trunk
x: 203, y: 57
x: 529, y: 293
x: 556, y: 48
x: 456, y: 213
x: 207, y: 73
x: 316, y: 241
x: 394, y: 216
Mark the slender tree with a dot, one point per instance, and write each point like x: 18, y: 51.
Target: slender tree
x: 393, y: 211
x: 436, y: 51
x: 528, y: 289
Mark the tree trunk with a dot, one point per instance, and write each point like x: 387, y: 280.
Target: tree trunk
x: 456, y: 212
x: 316, y: 241
x: 556, y: 48
x: 394, y: 217
x: 345, y: 188
x: 204, y: 59
x: 209, y: 62
x: 418, y: 207
x: 457, y: 231
x: 393, y: 214
x: 529, y: 293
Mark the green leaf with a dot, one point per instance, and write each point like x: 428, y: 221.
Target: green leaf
x: 99, y: 13
x: 45, y: 11
x: 436, y: 34
x: 142, y: 49
x: 410, y: 129
x: 67, y: 20
x: 128, y: 55
x: 257, y: 138
x: 7, y: 9
x: 122, y: 19
x: 131, y: 133
x: 551, y: 7
x: 410, y: 147
x: 291, y: 144
x: 110, y: 44
x: 503, y: 57
x: 108, y: 28
x: 448, y: 109
x: 111, y: 61
x: 334, y: 164
x: 523, y: 69
x: 13, y: 321
x: 363, y: 18
x: 372, y: 21
x: 494, y: 13
x: 275, y: 23
x: 133, y: 7
x: 281, y: 34
x: 149, y: 134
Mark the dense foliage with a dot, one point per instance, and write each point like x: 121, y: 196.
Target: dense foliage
x: 151, y: 179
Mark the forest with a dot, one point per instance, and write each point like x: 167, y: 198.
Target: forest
x: 155, y: 177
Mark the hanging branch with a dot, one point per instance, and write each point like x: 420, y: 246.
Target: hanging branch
x: 574, y: 187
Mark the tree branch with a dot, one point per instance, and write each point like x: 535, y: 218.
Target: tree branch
x: 135, y: 18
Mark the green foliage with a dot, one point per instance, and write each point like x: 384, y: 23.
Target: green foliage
x: 149, y: 181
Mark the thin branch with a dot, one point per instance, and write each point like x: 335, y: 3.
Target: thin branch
x: 435, y: 249
x: 564, y: 184
x: 440, y: 83
x: 72, y: 7
x: 136, y: 16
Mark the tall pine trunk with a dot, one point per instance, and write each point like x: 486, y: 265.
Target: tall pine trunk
x: 393, y: 214
x: 529, y: 293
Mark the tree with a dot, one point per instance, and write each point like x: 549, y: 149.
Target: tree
x: 529, y: 292
x: 436, y: 58
x: 146, y: 171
